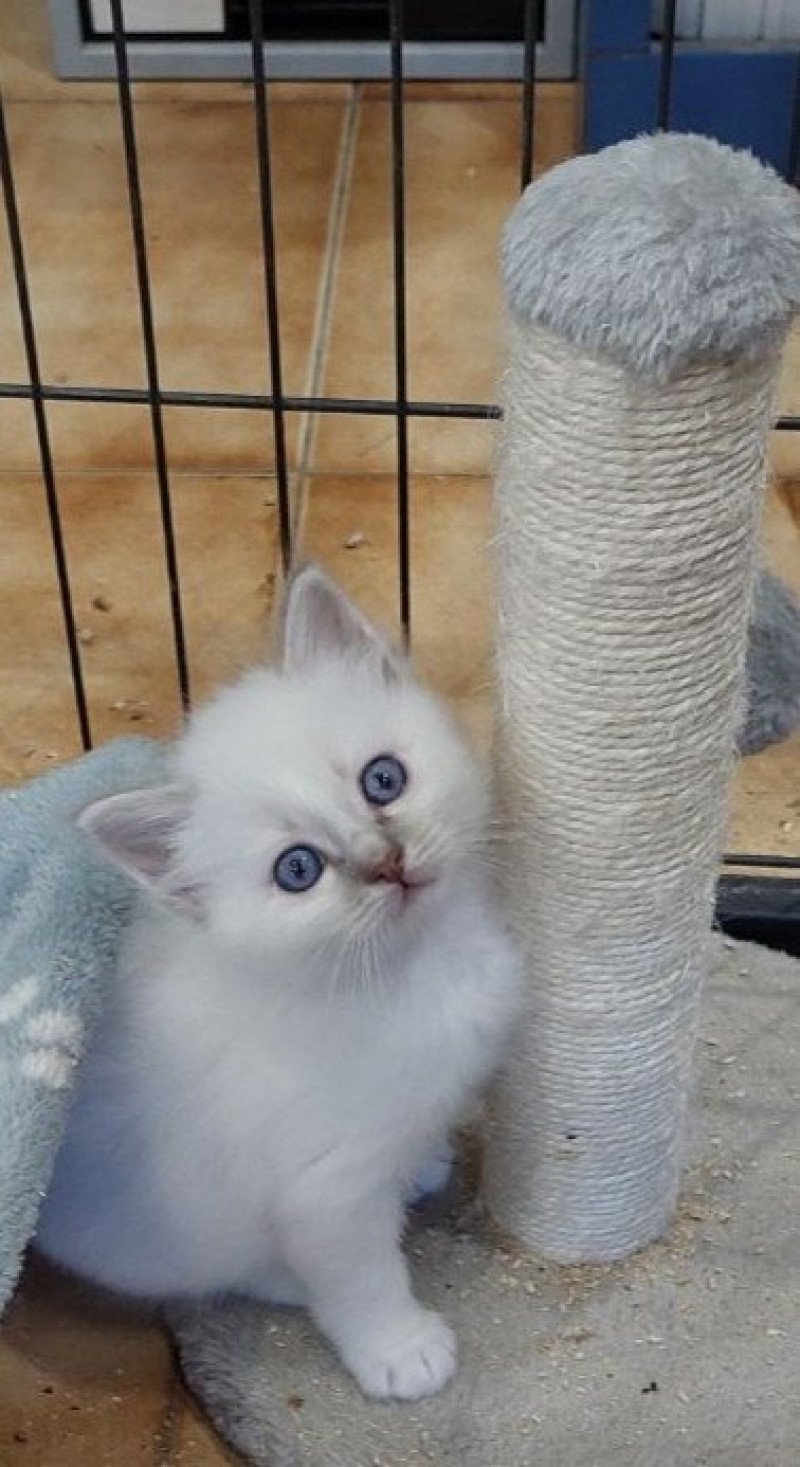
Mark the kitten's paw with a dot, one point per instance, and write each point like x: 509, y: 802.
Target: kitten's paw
x: 413, y: 1358
x: 433, y: 1176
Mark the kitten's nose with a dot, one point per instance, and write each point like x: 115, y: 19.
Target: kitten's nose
x: 390, y: 868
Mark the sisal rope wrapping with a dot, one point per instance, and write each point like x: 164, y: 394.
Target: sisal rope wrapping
x: 627, y: 528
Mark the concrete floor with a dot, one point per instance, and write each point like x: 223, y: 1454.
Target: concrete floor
x: 79, y: 1380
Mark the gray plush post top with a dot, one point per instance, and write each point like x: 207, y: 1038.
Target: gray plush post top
x: 656, y: 253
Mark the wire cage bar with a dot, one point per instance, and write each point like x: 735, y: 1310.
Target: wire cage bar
x: 276, y: 404
x: 400, y: 334
x: 149, y: 345
x: 33, y: 390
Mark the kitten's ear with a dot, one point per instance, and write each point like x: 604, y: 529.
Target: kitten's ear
x: 320, y: 622
x: 138, y: 832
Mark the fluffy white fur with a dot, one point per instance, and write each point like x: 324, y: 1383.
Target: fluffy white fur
x: 274, y: 1071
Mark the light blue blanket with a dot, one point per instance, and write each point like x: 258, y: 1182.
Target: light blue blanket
x: 62, y: 913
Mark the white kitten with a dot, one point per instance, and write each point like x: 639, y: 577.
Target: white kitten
x: 315, y: 983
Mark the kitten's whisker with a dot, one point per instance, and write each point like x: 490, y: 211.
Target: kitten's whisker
x: 370, y: 953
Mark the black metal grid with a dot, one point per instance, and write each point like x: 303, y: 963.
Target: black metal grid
x: 276, y: 403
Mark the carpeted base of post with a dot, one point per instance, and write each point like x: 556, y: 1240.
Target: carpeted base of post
x: 680, y: 1353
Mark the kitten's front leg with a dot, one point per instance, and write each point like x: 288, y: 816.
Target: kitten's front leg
x: 358, y: 1291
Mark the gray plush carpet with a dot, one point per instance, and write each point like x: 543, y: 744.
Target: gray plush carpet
x: 686, y: 1354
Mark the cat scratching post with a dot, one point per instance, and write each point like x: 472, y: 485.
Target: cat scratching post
x: 650, y: 288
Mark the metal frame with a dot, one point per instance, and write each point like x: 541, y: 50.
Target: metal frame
x: 763, y: 902
x: 324, y: 60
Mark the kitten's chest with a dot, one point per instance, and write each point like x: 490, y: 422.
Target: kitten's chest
x: 257, y: 1090
x: 380, y: 1059
x: 348, y: 1082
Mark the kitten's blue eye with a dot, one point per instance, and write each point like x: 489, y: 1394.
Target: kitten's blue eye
x: 298, y: 869
x: 383, y: 779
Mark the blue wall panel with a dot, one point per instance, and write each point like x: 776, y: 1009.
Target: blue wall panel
x: 617, y: 25
x: 745, y: 97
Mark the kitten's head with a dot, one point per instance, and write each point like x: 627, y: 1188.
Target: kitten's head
x: 321, y: 808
